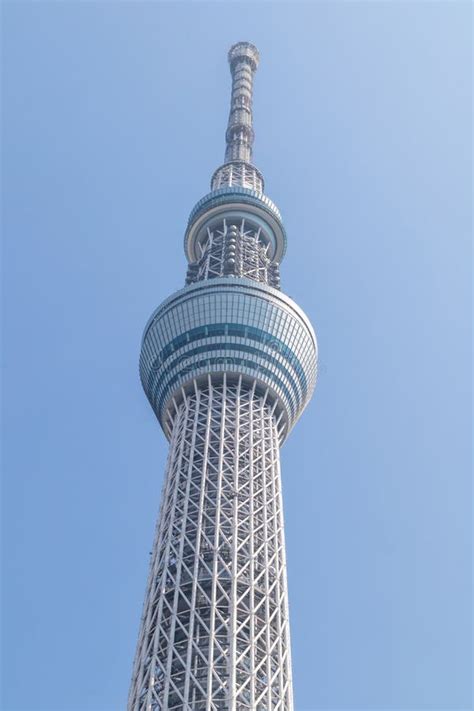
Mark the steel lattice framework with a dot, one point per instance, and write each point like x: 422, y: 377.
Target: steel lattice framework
x: 234, y: 250
x: 215, y: 616
x: 228, y: 364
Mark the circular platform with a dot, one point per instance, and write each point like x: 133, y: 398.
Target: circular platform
x: 233, y: 326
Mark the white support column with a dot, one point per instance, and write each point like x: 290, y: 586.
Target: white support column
x: 214, y: 632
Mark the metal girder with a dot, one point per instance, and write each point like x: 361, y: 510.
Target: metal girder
x: 215, y: 633
x: 234, y: 248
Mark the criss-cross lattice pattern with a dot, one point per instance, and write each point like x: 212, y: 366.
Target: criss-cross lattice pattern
x: 234, y: 249
x: 214, y: 633
x: 237, y: 173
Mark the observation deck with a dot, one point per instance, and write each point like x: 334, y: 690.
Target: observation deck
x: 234, y: 326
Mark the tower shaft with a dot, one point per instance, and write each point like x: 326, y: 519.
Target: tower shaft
x: 215, y: 622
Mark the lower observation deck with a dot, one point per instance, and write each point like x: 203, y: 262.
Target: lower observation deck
x: 233, y: 326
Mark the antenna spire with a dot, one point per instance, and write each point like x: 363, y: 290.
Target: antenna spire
x: 243, y: 60
x: 238, y: 169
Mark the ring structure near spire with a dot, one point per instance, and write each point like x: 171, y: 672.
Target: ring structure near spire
x: 245, y: 50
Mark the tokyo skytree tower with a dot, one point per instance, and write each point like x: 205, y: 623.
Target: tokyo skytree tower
x: 228, y: 364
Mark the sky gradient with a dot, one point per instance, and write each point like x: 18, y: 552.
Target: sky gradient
x: 114, y: 116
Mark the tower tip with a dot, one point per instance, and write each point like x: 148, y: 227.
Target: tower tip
x: 243, y: 59
x: 241, y: 50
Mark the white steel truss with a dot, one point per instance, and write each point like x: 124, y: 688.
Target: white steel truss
x: 237, y: 174
x: 234, y: 249
x: 214, y: 634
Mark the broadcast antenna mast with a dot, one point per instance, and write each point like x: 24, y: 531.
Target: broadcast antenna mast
x: 228, y: 364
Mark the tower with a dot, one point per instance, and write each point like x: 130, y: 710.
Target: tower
x: 228, y: 364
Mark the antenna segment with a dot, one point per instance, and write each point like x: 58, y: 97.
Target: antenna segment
x: 238, y: 169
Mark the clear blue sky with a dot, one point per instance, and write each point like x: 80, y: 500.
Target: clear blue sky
x: 114, y: 119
